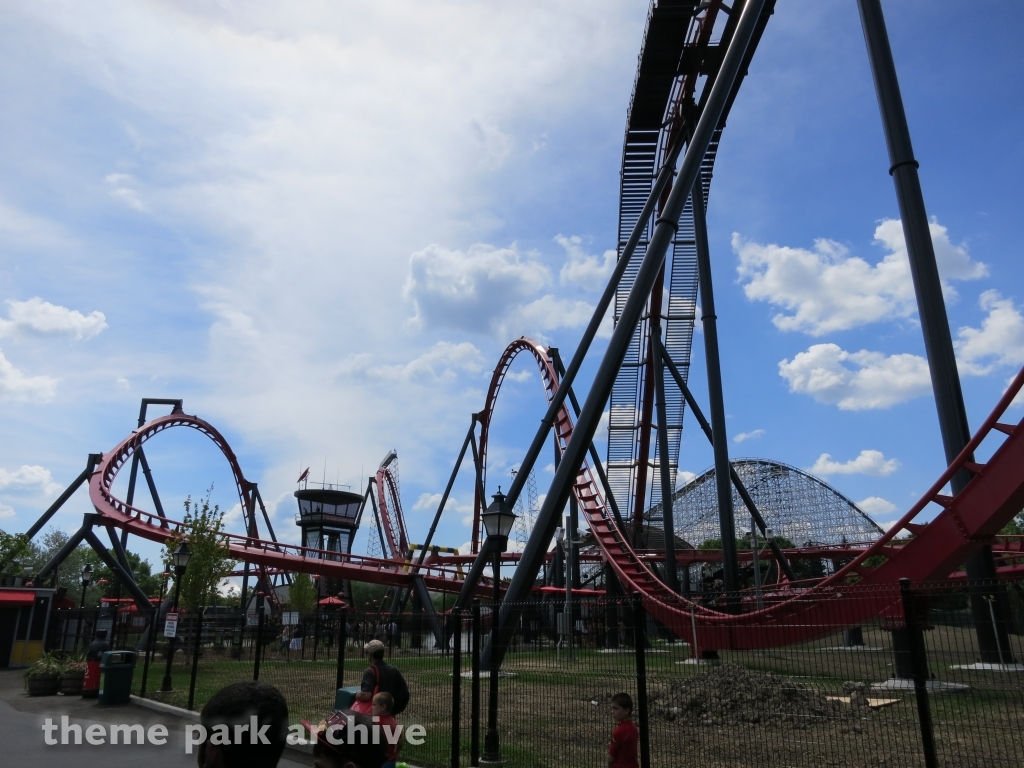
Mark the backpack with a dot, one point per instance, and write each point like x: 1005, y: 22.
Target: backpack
x: 400, y: 691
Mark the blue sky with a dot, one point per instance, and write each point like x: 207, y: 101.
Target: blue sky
x: 319, y: 225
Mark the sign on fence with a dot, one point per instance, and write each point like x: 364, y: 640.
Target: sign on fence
x: 290, y: 617
x: 252, y: 620
x: 171, y: 625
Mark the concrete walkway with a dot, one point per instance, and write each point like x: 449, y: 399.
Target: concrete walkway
x: 22, y: 718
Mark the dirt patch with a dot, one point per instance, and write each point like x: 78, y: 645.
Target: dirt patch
x: 730, y: 695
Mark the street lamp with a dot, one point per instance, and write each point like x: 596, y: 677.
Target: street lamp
x: 86, y: 580
x: 498, y: 519
x: 180, y: 557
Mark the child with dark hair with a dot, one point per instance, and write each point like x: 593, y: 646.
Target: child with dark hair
x: 248, y: 704
x: 622, y: 751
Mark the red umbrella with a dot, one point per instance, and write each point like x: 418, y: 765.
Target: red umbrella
x: 331, y: 601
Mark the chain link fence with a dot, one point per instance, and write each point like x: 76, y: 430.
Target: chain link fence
x: 911, y: 687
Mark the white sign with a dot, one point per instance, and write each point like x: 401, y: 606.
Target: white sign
x: 252, y: 620
x: 171, y: 625
x: 290, y: 617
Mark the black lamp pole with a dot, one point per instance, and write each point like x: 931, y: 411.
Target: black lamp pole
x: 498, y: 519
x: 86, y: 580
x: 181, y: 557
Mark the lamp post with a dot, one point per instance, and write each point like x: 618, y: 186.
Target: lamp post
x: 756, y: 553
x: 498, y: 519
x: 151, y: 645
x: 86, y: 580
x: 181, y: 557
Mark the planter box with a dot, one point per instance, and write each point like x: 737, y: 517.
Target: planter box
x: 43, y: 685
x: 71, y: 683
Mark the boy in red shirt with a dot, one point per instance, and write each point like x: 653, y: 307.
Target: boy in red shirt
x: 622, y: 752
x: 382, y: 704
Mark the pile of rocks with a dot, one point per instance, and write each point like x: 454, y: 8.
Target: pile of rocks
x: 729, y: 694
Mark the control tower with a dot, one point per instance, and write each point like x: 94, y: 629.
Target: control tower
x: 329, y: 518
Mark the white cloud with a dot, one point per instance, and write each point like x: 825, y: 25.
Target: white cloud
x: 427, y: 502
x: 487, y: 289
x: 999, y: 341
x: 6, y: 512
x: 122, y: 189
x: 470, y: 290
x: 744, y: 436
x: 42, y: 317
x: 582, y: 269
x: 953, y: 260
x: 442, y: 362
x: 684, y: 476
x: 29, y: 477
x: 545, y: 314
x: 519, y: 376
x: 233, y: 515
x: 826, y: 289
x: 1018, y: 400
x: 856, y: 381
x: 294, y: 159
x: 14, y: 385
x: 868, y: 462
x: 876, y: 505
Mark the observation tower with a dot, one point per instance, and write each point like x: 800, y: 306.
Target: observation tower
x: 329, y: 518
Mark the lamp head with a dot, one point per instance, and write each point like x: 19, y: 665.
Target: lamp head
x: 87, y: 575
x: 181, y: 557
x: 498, y: 519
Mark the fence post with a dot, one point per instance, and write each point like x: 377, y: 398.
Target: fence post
x: 639, y: 644
x: 919, y: 664
x: 474, y: 744
x: 261, y: 617
x: 197, y: 628
x: 342, y: 639
x: 456, y: 686
x: 149, y: 649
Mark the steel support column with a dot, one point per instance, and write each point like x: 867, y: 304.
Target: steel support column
x: 716, y: 400
x: 658, y: 371
x: 650, y: 267
x: 938, y: 342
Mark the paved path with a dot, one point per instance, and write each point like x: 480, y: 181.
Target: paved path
x: 22, y: 744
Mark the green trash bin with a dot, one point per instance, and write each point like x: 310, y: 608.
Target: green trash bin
x: 117, y: 668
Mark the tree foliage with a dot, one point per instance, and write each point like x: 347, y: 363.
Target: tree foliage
x: 1015, y: 527
x: 13, y: 547
x: 38, y: 552
x: 302, y: 593
x: 211, y: 562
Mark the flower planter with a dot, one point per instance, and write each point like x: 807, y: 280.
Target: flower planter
x: 71, y: 683
x: 43, y: 685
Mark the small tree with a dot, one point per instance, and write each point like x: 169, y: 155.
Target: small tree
x: 12, y: 547
x: 302, y: 593
x: 211, y: 562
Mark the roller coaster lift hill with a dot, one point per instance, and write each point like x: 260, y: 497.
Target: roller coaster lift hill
x: 685, y: 85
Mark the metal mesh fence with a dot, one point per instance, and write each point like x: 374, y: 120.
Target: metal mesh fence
x: 850, y: 696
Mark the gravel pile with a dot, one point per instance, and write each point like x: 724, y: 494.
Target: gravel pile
x: 729, y: 694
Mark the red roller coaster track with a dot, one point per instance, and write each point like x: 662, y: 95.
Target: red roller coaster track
x: 911, y: 549
x: 272, y: 554
x: 934, y: 549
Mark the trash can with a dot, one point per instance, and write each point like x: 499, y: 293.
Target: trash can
x: 117, y: 668
x: 345, y: 697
